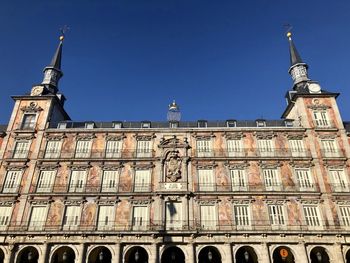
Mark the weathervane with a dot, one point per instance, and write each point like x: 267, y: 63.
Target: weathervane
x: 63, y: 31
x: 288, y: 27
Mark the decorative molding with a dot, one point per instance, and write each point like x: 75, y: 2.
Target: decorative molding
x: 55, y: 137
x: 107, y: 202
x: 318, y: 105
x: 144, y: 137
x: 310, y: 201
x: 142, y: 166
x: 275, y: 201
x: 203, y: 136
x: 85, y: 136
x: 265, y: 165
x: 234, y: 135
x: 241, y: 201
x: 23, y: 137
x: 211, y: 201
x: 173, y: 198
x: 140, y: 201
x: 15, y: 167
x: 173, y: 165
x: 74, y: 201
x: 111, y: 167
x: 79, y: 166
x: 327, y: 136
x: 210, y: 165
x: 342, y: 202
x: 32, y: 107
x: 51, y: 166
x: 7, y: 202
x: 267, y: 135
x: 242, y: 165
x: 337, y: 165
x: 295, y: 136
x: 40, y: 201
x: 301, y: 164
x: 173, y: 142
x: 111, y: 137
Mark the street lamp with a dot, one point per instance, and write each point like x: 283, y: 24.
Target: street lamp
x: 246, y: 256
x: 137, y: 255
x: 30, y: 256
x: 210, y: 255
x: 319, y: 256
x: 173, y: 256
x: 64, y: 256
x: 101, y: 256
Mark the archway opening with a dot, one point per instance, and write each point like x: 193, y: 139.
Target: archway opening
x: 209, y: 254
x: 2, y: 256
x: 348, y: 256
x: 28, y: 255
x: 63, y: 255
x: 283, y: 255
x: 173, y: 255
x: 100, y: 255
x: 136, y: 255
x: 319, y: 255
x: 246, y: 254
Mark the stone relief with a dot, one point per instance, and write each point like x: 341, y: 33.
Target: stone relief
x: 173, y: 166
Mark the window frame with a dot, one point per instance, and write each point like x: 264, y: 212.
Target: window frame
x: 22, y: 126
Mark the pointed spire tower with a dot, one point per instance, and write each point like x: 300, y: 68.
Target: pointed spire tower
x: 53, y: 72
x: 298, y: 69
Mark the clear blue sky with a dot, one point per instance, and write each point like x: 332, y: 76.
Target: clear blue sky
x: 127, y: 59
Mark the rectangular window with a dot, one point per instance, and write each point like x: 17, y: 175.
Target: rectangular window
x: 312, y: 216
x: 53, y: 149
x: 140, y: 217
x: 272, y: 182
x: 321, y: 119
x: 37, y: 218
x: 77, y: 181
x: 344, y: 215
x: 297, y: 148
x: 110, y: 181
x: 329, y: 148
x: 113, y: 149
x: 83, y: 149
x: 206, y: 180
x: 71, y: 218
x: 204, y: 148
x: 208, y: 216
x: 238, y: 180
x: 234, y: 147
x: 242, y: 215
x: 142, y: 181
x: 173, y: 215
x: 304, y: 179
x: 12, y: 182
x: 45, y: 182
x: 265, y: 147
x: 276, y: 215
x: 144, y: 148
x: 21, y: 149
x: 105, y: 217
x: 339, y: 181
x: 5, y: 215
x: 28, y: 121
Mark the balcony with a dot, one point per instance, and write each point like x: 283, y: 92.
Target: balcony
x: 17, y: 154
x: 96, y: 154
x: 174, y: 227
x: 332, y: 153
x: 253, y: 153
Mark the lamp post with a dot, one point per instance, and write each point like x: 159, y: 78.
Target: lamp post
x: 137, y: 256
x: 101, y: 256
x: 30, y: 256
x: 319, y: 257
x: 210, y: 256
x: 173, y: 256
x: 64, y: 256
x: 246, y: 256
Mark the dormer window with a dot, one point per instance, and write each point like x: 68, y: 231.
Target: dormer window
x: 202, y: 124
x: 260, y: 123
x: 89, y: 125
x: 117, y: 125
x: 28, y: 121
x: 288, y: 123
x: 231, y: 123
x: 174, y: 124
x: 145, y: 125
x: 62, y: 125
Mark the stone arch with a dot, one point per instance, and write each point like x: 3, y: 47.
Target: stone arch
x: 136, y: 254
x: 246, y: 254
x: 319, y: 254
x: 283, y: 254
x: 28, y: 254
x: 173, y: 254
x: 2, y: 256
x: 99, y: 254
x: 347, y: 256
x: 209, y: 254
x: 64, y: 254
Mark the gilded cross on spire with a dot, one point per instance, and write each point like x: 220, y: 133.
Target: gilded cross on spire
x: 63, y: 31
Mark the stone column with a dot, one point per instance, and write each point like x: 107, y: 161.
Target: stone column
x: 42, y: 259
x: 81, y: 252
x: 116, y: 259
x: 191, y: 254
x: 8, y: 254
x: 264, y: 253
x: 228, y: 252
x: 300, y: 253
x: 337, y: 254
x: 153, y: 258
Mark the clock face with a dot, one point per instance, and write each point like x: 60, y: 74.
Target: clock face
x: 37, y: 91
x: 314, y: 88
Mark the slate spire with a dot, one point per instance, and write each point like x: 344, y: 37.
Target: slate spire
x: 298, y: 69
x: 53, y: 72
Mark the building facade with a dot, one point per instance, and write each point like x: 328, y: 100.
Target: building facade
x: 202, y: 191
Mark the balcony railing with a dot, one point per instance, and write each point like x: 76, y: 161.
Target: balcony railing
x: 253, y: 152
x: 170, y: 226
x: 96, y: 154
x: 332, y: 153
x: 17, y: 154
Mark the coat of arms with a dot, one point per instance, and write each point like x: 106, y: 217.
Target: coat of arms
x: 173, y: 166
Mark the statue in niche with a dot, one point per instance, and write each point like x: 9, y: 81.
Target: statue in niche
x: 173, y: 166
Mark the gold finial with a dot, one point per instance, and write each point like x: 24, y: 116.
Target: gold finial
x: 61, y: 38
x: 63, y: 31
x: 288, y: 28
x: 289, y: 35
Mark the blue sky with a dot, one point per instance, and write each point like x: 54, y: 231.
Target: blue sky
x: 128, y: 59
